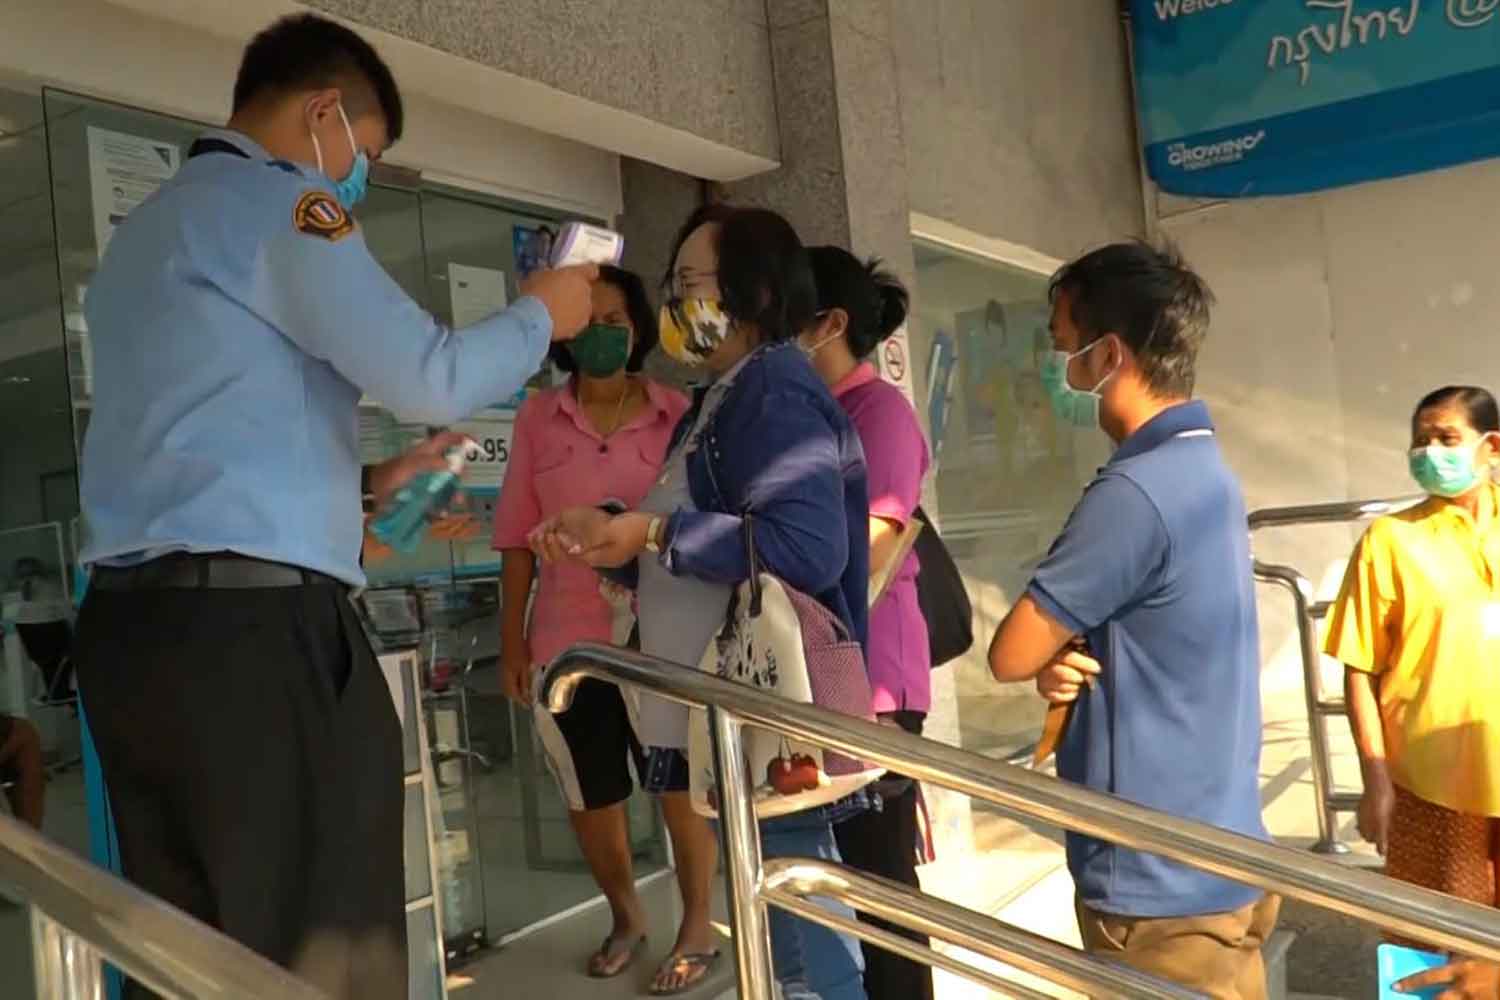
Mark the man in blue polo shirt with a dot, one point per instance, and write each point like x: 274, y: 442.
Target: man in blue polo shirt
x: 1143, y: 616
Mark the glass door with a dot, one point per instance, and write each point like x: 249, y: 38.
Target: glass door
x: 38, y: 498
x: 477, y: 249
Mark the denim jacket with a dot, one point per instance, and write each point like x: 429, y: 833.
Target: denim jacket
x: 780, y: 449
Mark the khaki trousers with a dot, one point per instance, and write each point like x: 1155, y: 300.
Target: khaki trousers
x: 1217, y: 954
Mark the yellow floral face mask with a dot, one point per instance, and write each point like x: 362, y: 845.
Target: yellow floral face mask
x: 693, y: 329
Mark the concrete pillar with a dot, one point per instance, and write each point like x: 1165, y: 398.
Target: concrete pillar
x: 657, y: 203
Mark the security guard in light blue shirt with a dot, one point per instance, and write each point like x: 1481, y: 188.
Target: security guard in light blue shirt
x: 236, y: 319
x: 244, y: 729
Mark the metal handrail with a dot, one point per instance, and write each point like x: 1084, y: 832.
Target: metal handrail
x: 1306, y: 610
x: 82, y: 915
x: 1340, y: 512
x: 793, y: 883
x: 1400, y: 909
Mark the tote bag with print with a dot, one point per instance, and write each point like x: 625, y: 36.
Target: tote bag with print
x: 782, y: 641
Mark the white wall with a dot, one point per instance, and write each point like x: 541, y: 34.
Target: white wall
x: 1337, y: 312
x: 174, y: 64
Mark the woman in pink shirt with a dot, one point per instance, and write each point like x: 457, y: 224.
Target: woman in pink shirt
x: 602, y: 436
x: 859, y: 306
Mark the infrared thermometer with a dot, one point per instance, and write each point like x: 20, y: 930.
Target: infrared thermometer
x: 582, y: 243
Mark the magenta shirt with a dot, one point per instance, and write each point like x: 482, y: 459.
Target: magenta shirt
x: 557, y: 461
x: 896, y: 456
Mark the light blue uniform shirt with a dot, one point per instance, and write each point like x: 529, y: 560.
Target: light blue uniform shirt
x: 230, y: 352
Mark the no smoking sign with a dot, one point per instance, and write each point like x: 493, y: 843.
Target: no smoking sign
x: 895, y: 359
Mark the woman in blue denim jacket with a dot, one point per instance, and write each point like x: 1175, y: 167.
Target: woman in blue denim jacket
x: 764, y: 439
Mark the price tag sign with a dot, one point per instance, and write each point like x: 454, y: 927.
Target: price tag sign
x: 492, y: 433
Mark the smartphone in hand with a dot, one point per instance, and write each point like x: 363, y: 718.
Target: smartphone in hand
x: 1397, y: 963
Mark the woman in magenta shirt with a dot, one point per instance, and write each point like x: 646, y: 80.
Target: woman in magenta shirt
x: 858, y: 307
x: 602, y: 436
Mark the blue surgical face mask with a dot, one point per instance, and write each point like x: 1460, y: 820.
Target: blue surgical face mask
x: 1444, y: 471
x: 351, y: 190
x: 1078, y: 407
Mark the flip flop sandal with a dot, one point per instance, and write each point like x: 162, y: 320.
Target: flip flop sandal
x: 691, y: 968
x: 601, y: 963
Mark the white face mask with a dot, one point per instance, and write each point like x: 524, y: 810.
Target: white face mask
x: 811, y: 350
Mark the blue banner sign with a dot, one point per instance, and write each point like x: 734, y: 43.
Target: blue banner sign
x: 1265, y: 97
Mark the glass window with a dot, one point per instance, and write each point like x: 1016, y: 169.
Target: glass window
x: 38, y: 465
x: 38, y: 469
x: 423, y: 979
x: 461, y: 256
x: 1007, y: 472
x: 418, y: 867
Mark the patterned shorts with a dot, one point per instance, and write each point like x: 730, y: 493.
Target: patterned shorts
x: 1440, y: 849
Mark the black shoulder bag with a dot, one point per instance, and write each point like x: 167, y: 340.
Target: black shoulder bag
x: 940, y: 591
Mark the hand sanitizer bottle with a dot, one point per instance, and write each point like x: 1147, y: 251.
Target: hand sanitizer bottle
x: 423, y: 499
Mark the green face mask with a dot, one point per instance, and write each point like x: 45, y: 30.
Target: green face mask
x: 1445, y: 471
x: 601, y: 349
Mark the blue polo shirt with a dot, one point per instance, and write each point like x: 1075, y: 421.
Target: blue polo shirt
x: 1153, y: 567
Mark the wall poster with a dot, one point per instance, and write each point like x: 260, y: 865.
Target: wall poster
x: 124, y: 170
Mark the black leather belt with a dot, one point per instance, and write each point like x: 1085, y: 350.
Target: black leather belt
x: 218, y: 571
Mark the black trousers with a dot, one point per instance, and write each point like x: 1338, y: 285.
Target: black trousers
x: 598, y: 744
x: 253, y: 759
x: 883, y: 841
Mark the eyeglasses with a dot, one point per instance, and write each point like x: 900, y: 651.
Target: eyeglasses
x: 687, y: 278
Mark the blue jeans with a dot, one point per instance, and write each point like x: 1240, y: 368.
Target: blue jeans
x: 812, y: 962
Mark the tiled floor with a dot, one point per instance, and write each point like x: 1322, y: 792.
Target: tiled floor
x: 550, y: 962
x: 526, y: 878
x: 1018, y: 874
x: 517, y: 891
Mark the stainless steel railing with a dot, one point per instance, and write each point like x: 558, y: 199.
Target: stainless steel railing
x: 791, y: 883
x: 1308, y: 611
x: 82, y: 915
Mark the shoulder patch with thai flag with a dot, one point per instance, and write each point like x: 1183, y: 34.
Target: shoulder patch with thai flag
x: 318, y: 214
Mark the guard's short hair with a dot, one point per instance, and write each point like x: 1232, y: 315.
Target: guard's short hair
x: 304, y: 51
